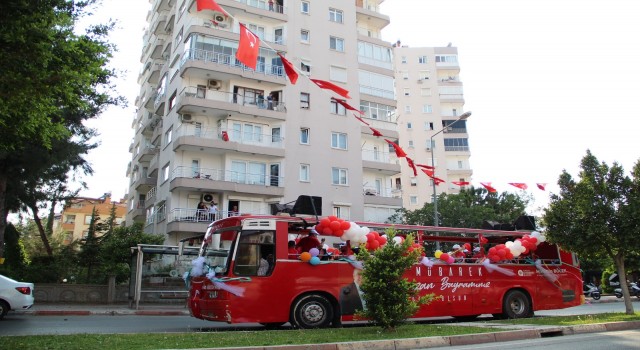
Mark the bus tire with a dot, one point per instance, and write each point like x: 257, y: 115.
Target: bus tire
x: 311, y: 311
x: 516, y: 304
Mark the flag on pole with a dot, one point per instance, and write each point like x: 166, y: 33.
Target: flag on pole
x: 376, y: 132
x: 399, y: 151
x: 460, y: 183
x: 346, y: 105
x: 248, y: 47
x: 437, y: 180
x: 426, y: 166
x: 210, y: 5
x: 288, y: 68
x: 542, y: 186
x: 428, y: 172
x: 323, y: 84
x: 487, y: 185
x: 412, y: 165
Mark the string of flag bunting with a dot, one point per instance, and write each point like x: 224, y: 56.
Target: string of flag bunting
x: 247, y: 54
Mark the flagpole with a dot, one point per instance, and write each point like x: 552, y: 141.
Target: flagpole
x: 464, y: 116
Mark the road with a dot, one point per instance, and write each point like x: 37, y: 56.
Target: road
x: 621, y: 340
x: 21, y: 324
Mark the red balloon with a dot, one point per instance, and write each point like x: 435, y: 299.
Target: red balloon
x: 494, y: 258
x: 502, y: 253
x: 382, y: 240
x: 375, y: 234
x: 508, y: 255
x: 492, y: 251
x: 370, y: 237
x: 325, y: 222
x: 444, y: 257
x: 327, y: 231
x: 467, y: 246
x: 335, y: 225
x: 373, y: 244
x: 345, y: 225
x: 332, y: 218
x: 319, y: 228
x: 338, y: 233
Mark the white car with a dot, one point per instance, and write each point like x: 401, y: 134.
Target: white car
x: 14, y: 295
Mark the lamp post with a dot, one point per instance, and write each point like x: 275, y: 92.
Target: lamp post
x: 464, y: 116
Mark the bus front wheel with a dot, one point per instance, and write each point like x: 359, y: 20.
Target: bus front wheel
x: 311, y: 311
x: 516, y: 304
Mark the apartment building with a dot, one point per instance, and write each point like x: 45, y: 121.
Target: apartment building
x: 74, y: 220
x: 209, y: 129
x: 430, y: 105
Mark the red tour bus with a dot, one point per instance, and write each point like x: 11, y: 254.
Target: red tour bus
x: 245, y: 274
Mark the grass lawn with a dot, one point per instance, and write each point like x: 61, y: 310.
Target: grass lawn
x: 279, y: 337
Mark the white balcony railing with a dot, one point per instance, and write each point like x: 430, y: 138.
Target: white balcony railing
x: 229, y: 97
x: 246, y: 138
x: 227, y: 176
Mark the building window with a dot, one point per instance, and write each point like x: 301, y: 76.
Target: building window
x: 422, y: 59
x: 183, y: 7
x: 413, y: 200
x: 447, y: 58
x: 407, y: 91
x: 428, y: 125
x: 305, y: 7
x: 425, y: 92
x: 338, y: 74
x: 338, y: 140
x: 304, y: 172
x: 407, y: 109
x: 165, y: 173
x: 336, y: 15
x: 304, y: 36
x: 305, y: 100
x: 70, y: 219
x: 404, y: 59
x: 341, y: 212
x: 305, y: 67
x: 339, y: 176
x: 337, y: 108
x: 424, y: 74
x: 179, y: 37
x: 414, y: 181
x: 410, y: 143
x: 460, y: 166
x: 336, y: 43
x: 304, y: 136
x: 409, y: 125
x: 167, y: 136
x: 405, y: 75
x: 172, y: 100
x: 427, y: 109
x: 87, y: 220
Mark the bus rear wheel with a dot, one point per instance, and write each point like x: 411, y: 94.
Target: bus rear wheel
x: 516, y: 304
x: 311, y: 311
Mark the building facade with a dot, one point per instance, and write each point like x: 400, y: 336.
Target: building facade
x: 74, y: 220
x: 430, y: 102
x: 209, y: 129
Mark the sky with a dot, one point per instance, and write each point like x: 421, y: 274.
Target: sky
x: 545, y: 80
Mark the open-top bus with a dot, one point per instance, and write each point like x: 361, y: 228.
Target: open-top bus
x: 228, y: 286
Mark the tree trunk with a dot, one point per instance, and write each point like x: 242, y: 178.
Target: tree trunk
x: 3, y: 212
x: 619, y: 261
x: 43, y: 234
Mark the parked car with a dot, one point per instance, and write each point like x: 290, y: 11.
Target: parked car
x: 14, y: 295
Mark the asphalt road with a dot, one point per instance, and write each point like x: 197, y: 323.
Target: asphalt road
x: 21, y: 324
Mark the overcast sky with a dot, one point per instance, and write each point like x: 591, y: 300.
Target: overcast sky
x: 545, y: 80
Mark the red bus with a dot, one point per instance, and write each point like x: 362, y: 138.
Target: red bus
x: 229, y: 285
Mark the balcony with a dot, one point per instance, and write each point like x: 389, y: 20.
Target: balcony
x: 226, y: 29
x: 371, y: 16
x: 189, y: 179
x: 227, y: 67
x: 258, y: 8
x: 456, y: 149
x: 144, y: 183
x: 221, y: 102
x: 380, y: 162
x: 146, y: 153
x: 381, y: 196
x: 191, y: 138
x: 151, y: 196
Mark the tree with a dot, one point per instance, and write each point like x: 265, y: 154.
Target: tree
x: 90, y: 248
x: 469, y: 208
x: 597, y: 215
x: 52, y: 81
x: 389, y: 298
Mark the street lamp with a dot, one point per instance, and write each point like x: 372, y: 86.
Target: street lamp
x: 464, y: 116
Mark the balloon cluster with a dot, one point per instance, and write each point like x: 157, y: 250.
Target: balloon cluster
x: 445, y: 257
x: 375, y: 241
x: 332, y: 226
x: 513, y: 249
x: 311, y: 256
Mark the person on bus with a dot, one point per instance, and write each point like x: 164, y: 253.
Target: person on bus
x: 265, y: 264
x: 293, y: 251
x: 457, y: 253
x: 308, y: 242
x: 478, y: 254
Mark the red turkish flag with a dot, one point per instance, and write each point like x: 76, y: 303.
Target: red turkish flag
x: 323, y: 84
x: 288, y: 68
x: 412, y: 165
x: 482, y: 240
x: 460, y: 183
x: 519, y: 185
x: 248, y: 47
x: 428, y: 172
x: 399, y: 151
x: 487, y: 185
x: 346, y: 105
x: 375, y: 132
x: 360, y: 119
x: 225, y: 136
x: 542, y: 186
x: 426, y: 166
x: 437, y: 180
x: 209, y: 5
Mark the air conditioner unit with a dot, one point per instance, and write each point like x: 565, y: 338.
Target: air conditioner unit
x: 207, y: 197
x: 186, y: 117
x: 214, y: 84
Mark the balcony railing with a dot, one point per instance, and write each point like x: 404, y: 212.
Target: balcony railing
x: 202, y: 215
x: 374, y: 91
x: 455, y: 131
x: 230, y: 60
x: 456, y: 148
x: 263, y: 5
x: 247, y: 138
x: 227, y: 176
x: 376, y: 156
x: 230, y: 97
x: 373, y: 191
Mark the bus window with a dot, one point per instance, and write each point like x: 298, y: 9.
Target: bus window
x: 255, y: 254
